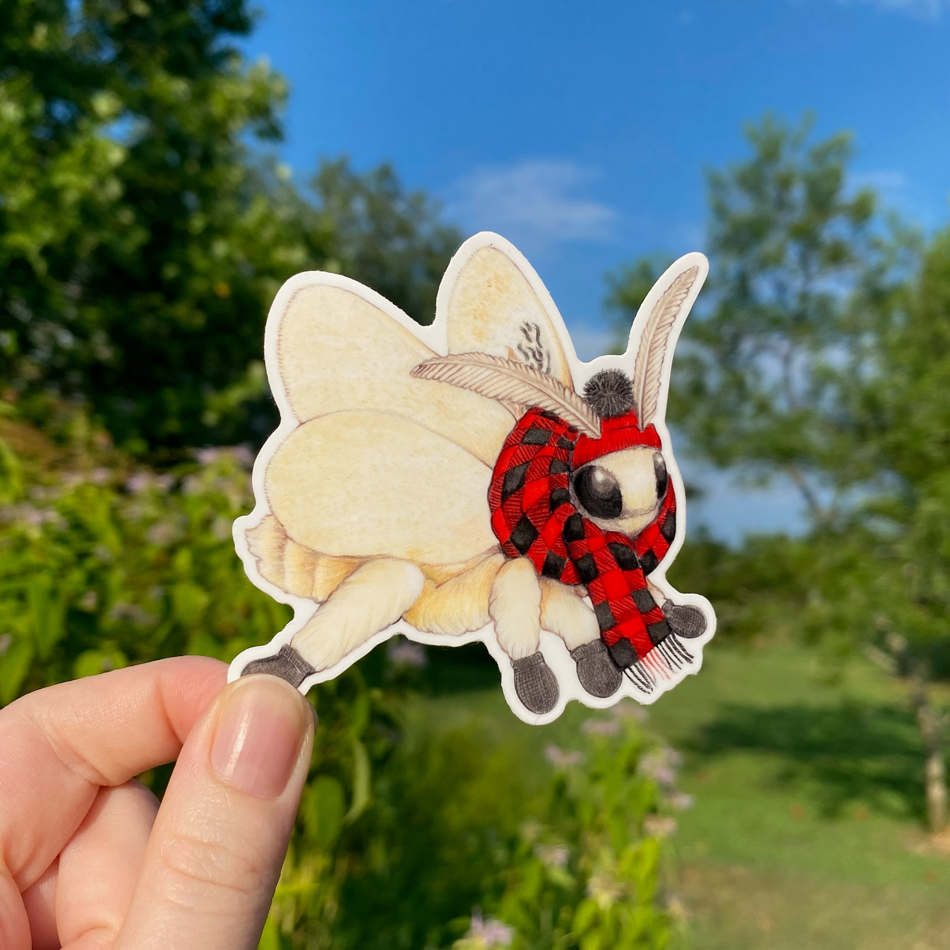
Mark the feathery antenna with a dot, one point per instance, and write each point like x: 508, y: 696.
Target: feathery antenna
x: 648, y: 369
x: 511, y: 383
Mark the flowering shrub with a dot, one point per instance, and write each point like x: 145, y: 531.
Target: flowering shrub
x: 131, y: 564
x: 104, y: 562
x: 589, y: 872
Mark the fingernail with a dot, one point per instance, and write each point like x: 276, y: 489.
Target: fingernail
x: 258, y: 736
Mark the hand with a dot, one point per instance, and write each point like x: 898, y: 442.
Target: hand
x: 88, y: 859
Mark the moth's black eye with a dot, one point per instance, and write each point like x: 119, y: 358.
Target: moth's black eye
x: 598, y: 492
x: 662, y: 476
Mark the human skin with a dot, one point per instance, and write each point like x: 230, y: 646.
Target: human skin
x: 89, y: 860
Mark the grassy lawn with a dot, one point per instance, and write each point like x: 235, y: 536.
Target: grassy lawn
x: 806, y: 829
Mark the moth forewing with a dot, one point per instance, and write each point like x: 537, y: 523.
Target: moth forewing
x: 494, y: 302
x: 338, y: 347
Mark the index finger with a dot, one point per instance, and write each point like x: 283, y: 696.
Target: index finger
x: 60, y: 744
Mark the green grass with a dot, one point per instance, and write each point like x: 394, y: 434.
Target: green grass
x: 806, y: 831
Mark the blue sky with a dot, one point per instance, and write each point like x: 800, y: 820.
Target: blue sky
x: 581, y: 131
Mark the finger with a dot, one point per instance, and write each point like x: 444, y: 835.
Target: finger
x: 221, y: 834
x: 84, y: 897
x: 100, y: 866
x: 40, y: 904
x: 59, y: 745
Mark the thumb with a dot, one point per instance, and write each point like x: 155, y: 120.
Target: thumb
x: 219, y: 840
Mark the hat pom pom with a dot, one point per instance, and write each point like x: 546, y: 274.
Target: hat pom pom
x: 609, y: 393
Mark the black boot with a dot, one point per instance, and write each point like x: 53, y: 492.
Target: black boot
x: 535, y: 684
x: 598, y: 674
x: 685, y: 621
x: 288, y: 664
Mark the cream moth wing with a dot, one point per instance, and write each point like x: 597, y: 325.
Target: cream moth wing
x: 374, y: 511
x: 495, y: 303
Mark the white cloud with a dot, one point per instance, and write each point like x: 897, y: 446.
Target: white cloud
x: 534, y: 203
x: 900, y: 193
x: 882, y: 180
x: 921, y: 9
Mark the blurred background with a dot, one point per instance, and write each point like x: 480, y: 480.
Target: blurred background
x: 166, y: 164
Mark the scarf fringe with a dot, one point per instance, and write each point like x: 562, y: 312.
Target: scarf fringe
x: 668, y: 657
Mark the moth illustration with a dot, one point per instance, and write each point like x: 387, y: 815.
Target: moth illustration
x: 473, y: 480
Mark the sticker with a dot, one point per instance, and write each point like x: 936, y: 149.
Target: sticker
x: 474, y: 480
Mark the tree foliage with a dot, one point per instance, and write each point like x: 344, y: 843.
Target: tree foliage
x: 787, y: 242
x: 138, y: 260
x: 394, y: 241
x: 822, y: 356
x: 144, y: 232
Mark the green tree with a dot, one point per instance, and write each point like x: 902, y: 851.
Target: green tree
x: 139, y: 247
x: 893, y: 556
x: 786, y: 242
x: 144, y: 232
x: 819, y: 357
x: 392, y: 240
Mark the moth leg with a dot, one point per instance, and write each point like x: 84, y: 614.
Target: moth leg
x: 458, y: 605
x: 655, y: 592
x: 515, y: 609
x: 565, y: 614
x: 685, y: 620
x: 374, y: 596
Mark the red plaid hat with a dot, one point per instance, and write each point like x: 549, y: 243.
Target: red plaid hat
x: 616, y: 433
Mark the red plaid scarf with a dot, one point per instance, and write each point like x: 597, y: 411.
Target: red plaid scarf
x: 532, y: 515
